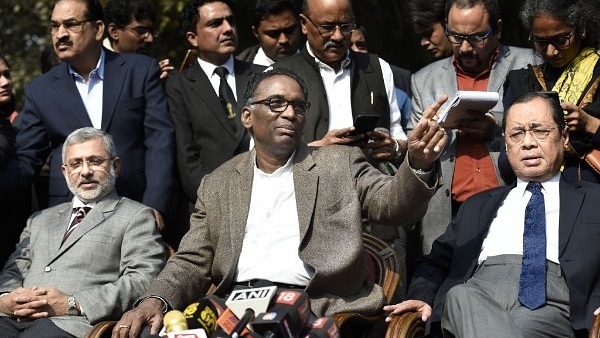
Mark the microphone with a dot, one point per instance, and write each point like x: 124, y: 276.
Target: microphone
x: 286, y: 318
x: 322, y: 327
x: 174, y: 321
x: 203, y: 314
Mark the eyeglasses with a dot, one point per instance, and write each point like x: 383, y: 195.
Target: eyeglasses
x: 329, y: 28
x: 94, y: 163
x: 472, y: 39
x: 279, y: 105
x: 518, y: 136
x: 71, y: 26
x: 559, y: 42
x: 142, y: 32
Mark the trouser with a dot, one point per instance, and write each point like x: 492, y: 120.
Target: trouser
x: 488, y: 306
x: 43, y: 327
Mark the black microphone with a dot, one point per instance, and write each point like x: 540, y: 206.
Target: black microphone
x: 286, y: 317
x: 241, y: 325
x: 203, y: 314
x: 322, y: 327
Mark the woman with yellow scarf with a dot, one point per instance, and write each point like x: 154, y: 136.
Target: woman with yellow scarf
x: 565, y: 33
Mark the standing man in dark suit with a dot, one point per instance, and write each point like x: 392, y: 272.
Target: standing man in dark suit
x: 290, y: 213
x: 118, y: 93
x: 208, y: 126
x: 471, y: 279
x: 83, y: 261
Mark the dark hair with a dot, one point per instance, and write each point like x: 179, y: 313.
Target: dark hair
x: 48, y: 59
x: 557, y: 111
x: 260, y: 77
x: 9, y: 107
x: 491, y: 6
x: 121, y: 12
x: 264, y: 8
x: 93, y: 7
x: 424, y: 14
x: 575, y: 13
x: 190, y: 13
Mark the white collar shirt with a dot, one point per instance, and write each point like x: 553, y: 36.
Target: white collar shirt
x: 91, y: 92
x: 272, y: 233
x: 505, y: 235
x: 215, y: 80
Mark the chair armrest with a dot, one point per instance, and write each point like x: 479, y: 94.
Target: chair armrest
x: 406, y: 325
x: 595, y: 331
x: 101, y: 330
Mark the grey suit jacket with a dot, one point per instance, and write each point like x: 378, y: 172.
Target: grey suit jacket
x: 334, y: 186
x: 430, y: 83
x: 106, y: 263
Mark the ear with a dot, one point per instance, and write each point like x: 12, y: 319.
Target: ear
x: 303, y: 23
x: 192, y: 38
x: 100, y: 28
x: 113, y: 31
x: 255, y: 31
x: 247, y: 118
x: 498, y: 29
x: 117, y: 164
x: 566, y: 138
x: 63, y: 168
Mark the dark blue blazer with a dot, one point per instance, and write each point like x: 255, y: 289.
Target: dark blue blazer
x: 454, y: 255
x: 134, y: 112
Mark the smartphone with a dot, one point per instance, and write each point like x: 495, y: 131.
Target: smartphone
x: 364, y: 123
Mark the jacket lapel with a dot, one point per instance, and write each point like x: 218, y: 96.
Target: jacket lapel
x: 571, y: 199
x: 305, y: 183
x: 57, y: 227
x: 115, y: 73
x: 65, y: 89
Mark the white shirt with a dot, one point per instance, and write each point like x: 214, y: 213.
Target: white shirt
x: 339, y: 96
x: 262, y: 59
x: 215, y: 80
x: 77, y: 203
x: 505, y: 235
x: 91, y: 92
x: 272, y: 235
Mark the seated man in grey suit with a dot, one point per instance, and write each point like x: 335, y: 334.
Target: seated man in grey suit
x: 488, y: 275
x: 84, y: 261
x: 290, y: 213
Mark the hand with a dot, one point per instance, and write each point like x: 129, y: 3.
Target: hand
x: 340, y: 136
x: 16, y: 298
x: 427, y: 139
x: 408, y: 305
x: 160, y: 221
x: 165, y: 67
x: 597, y: 312
x: 477, y: 125
x: 147, y: 312
x: 383, y: 147
x: 578, y: 120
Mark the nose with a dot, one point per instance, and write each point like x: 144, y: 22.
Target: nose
x: 528, y: 140
x: 337, y: 34
x: 551, y: 51
x: 149, y: 38
x: 465, y: 46
x: 425, y: 41
x: 283, y: 39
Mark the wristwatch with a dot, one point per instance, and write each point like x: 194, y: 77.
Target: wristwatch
x: 73, y: 311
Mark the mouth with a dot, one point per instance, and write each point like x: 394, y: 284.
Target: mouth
x: 287, y: 130
x: 62, y: 46
x: 531, y: 160
x: 87, y: 185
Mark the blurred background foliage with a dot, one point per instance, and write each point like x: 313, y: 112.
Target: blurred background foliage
x: 24, y: 33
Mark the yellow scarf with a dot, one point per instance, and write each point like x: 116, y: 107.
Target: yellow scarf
x: 575, y: 78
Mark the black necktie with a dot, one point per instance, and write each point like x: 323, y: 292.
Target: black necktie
x: 532, y: 285
x: 81, y: 213
x: 225, y: 93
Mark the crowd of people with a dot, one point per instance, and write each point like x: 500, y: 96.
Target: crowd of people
x: 248, y: 164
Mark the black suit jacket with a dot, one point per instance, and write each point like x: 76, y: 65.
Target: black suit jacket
x: 134, y: 112
x: 454, y: 255
x: 204, y: 136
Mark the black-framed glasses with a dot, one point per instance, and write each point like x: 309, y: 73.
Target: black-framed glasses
x: 71, y: 26
x: 329, y: 28
x: 93, y: 162
x: 540, y: 134
x: 559, y: 42
x: 142, y: 32
x: 278, y: 104
x: 476, y: 39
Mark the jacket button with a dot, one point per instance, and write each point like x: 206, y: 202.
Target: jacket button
x: 447, y: 192
x: 47, y: 269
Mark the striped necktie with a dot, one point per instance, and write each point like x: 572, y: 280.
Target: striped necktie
x: 81, y: 213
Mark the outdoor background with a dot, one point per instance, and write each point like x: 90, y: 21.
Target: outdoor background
x: 24, y: 31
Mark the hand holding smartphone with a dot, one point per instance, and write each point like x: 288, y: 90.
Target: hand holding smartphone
x: 364, y: 123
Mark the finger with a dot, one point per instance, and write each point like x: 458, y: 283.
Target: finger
x: 432, y: 110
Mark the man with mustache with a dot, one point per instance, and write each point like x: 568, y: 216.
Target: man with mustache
x: 83, y: 261
x: 94, y: 87
x: 479, y: 62
x: 343, y: 84
x: 289, y: 213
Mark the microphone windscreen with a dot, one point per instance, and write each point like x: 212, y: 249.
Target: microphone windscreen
x: 322, y: 327
x: 174, y: 321
x: 287, y: 316
x: 203, y: 314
